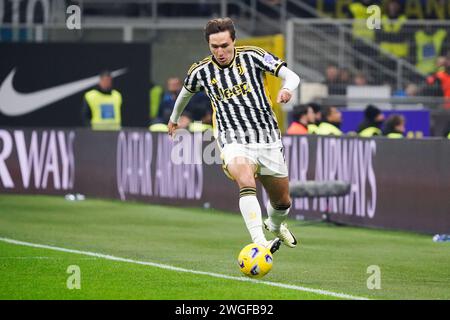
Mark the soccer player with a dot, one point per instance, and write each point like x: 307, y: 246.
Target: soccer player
x: 245, y: 126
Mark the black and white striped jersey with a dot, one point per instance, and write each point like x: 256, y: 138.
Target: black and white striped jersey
x: 242, y: 109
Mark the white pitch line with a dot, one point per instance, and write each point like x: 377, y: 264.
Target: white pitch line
x: 39, y: 258
x: 169, y: 267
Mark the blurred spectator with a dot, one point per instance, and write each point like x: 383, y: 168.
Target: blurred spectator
x: 345, y: 77
x: 303, y: 115
x: 442, y: 77
x: 395, y: 126
x: 358, y: 11
x: 331, y: 122
x: 155, y: 95
x: 373, y: 120
x: 201, y: 119
x: 412, y: 90
x: 200, y: 99
x: 332, y: 74
x: 392, y: 36
x: 317, y: 109
x: 362, y: 36
x: 360, y: 79
x: 173, y: 87
x: 441, y: 63
x: 332, y: 80
x: 102, y: 105
x: 429, y: 46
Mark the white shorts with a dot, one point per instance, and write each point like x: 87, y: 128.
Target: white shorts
x: 268, y: 157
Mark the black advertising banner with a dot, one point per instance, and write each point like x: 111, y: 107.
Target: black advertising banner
x: 395, y: 183
x: 43, y: 84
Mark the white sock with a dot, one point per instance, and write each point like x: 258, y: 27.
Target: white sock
x: 251, y: 212
x: 276, y: 217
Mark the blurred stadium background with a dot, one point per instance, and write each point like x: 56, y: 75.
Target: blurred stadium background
x: 313, y: 36
x: 47, y: 146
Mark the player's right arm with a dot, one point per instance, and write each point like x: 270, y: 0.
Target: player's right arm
x: 182, y: 100
x: 190, y: 87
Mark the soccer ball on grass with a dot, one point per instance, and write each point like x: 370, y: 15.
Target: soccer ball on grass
x: 255, y: 261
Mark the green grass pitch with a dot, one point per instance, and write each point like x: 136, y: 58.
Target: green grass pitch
x: 329, y: 258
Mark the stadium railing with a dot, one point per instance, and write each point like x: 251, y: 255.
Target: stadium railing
x: 255, y: 17
x: 312, y: 44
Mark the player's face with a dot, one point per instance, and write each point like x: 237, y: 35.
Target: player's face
x: 222, y: 47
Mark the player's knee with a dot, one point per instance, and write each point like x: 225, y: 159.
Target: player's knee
x: 246, y: 180
x: 282, y: 204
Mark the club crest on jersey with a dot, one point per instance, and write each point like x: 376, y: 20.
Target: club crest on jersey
x: 241, y: 69
x: 238, y: 90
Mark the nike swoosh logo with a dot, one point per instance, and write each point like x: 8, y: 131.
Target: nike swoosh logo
x: 13, y: 103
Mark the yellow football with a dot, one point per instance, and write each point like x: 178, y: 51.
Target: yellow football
x: 255, y: 261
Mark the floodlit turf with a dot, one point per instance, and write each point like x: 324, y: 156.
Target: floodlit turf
x: 330, y: 258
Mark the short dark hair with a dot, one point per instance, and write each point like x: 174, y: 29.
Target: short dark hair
x: 392, y: 121
x: 198, y: 112
x: 105, y: 73
x: 299, y: 111
x: 315, y: 106
x: 371, y: 112
x: 219, y: 25
x: 327, y: 111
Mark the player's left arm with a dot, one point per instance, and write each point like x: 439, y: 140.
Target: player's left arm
x: 290, y: 83
x: 268, y: 62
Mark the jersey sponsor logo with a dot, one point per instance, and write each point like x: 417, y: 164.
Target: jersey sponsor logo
x: 237, y: 90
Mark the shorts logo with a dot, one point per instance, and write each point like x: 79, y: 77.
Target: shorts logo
x: 235, y: 91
